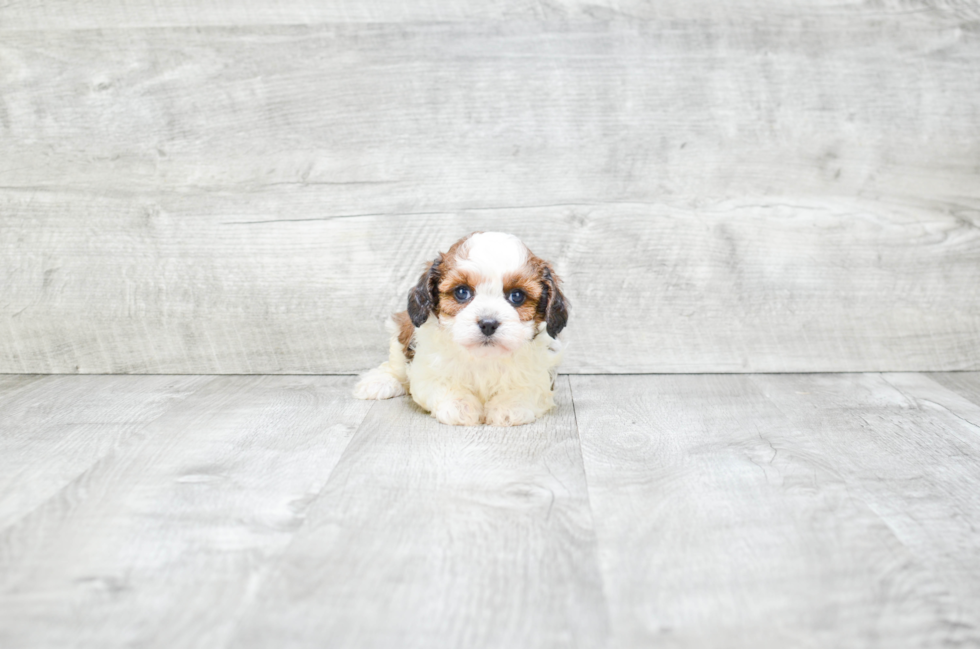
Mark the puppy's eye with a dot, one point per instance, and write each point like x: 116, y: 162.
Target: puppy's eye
x: 462, y: 293
x: 516, y: 297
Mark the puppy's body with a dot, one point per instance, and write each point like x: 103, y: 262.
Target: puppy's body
x: 491, y: 352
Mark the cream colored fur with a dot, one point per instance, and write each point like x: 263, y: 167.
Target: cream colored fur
x: 460, y: 389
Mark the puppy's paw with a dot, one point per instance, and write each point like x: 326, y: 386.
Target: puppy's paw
x: 508, y: 415
x: 458, y: 412
x: 378, y: 384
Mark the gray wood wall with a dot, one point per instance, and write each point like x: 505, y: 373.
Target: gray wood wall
x: 759, y: 185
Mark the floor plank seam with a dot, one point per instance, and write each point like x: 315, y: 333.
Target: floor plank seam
x: 82, y: 475
x: 275, y: 560
x: 588, y: 501
x: 973, y: 425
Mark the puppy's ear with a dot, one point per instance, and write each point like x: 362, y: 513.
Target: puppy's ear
x: 552, y: 304
x: 424, y: 298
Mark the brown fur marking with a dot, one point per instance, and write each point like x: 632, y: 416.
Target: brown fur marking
x: 531, y: 279
x: 406, y: 330
x: 453, y: 277
x: 528, y: 279
x: 451, y: 280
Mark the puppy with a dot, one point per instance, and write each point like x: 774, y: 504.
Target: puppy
x: 479, y: 341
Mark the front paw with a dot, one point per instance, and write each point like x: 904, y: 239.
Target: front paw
x: 508, y: 415
x: 458, y: 412
x: 378, y: 384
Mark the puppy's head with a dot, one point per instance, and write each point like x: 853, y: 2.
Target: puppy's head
x: 491, y: 292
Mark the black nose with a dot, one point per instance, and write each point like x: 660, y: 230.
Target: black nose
x: 488, y: 326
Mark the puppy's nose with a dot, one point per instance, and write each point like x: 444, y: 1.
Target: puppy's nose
x: 488, y: 326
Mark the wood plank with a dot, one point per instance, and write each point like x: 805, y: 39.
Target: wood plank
x: 436, y: 536
x: 446, y: 116
x: 913, y: 459
x: 966, y: 384
x: 13, y: 384
x: 109, y: 14
x: 774, y: 511
x: 232, y: 286
x: 160, y: 543
x: 754, y: 194
x: 55, y: 428
x: 954, y: 394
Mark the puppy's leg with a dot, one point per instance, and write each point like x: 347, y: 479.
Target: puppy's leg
x: 450, y: 404
x: 389, y: 379
x: 379, y: 383
x: 516, y: 407
x: 457, y: 408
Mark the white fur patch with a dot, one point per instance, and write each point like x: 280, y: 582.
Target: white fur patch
x: 490, y: 256
x: 378, y: 384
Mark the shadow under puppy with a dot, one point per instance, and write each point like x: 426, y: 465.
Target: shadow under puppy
x: 491, y: 353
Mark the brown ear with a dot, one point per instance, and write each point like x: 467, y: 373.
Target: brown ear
x: 424, y: 298
x: 552, y: 304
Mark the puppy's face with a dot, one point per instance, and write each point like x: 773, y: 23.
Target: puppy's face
x: 491, y: 293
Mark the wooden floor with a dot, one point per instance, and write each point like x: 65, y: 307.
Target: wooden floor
x: 812, y: 510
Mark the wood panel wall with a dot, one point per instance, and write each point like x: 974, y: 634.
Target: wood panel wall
x: 251, y: 187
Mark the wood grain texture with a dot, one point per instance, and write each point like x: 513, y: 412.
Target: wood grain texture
x: 64, y: 14
x: 13, y: 384
x: 436, y: 117
x: 774, y: 511
x: 905, y: 451
x: 56, y: 428
x: 966, y: 384
x: 956, y: 394
x: 436, y: 536
x: 734, y: 287
x: 767, y: 193
x: 160, y: 542
x: 699, y: 510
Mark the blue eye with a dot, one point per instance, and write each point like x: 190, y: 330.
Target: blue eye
x: 462, y: 293
x: 516, y: 297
